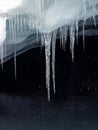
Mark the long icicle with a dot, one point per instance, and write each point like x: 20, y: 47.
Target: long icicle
x: 77, y: 31
x: 65, y: 34
x: 84, y: 9
x: 93, y: 11
x: 2, y: 36
x: 83, y: 35
x: 42, y: 40
x: 2, y: 53
x: 84, y: 21
x: 72, y: 40
x: 10, y: 29
x: 53, y: 58
x: 61, y: 36
x: 17, y: 22
x: 47, y: 38
x: 15, y: 35
x: 14, y: 28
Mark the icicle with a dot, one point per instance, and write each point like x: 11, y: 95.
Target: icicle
x: 15, y: 62
x: 42, y: 4
x: 11, y: 25
x: 15, y: 59
x: 5, y: 50
x: 37, y: 35
x: 2, y: 54
x: 53, y: 58
x: 17, y: 22
x: 42, y: 40
x: 61, y: 37
x: 21, y: 24
x: 72, y: 40
x: 24, y: 24
x: 60, y: 31
x: 14, y: 28
x: 92, y: 4
x: 84, y: 9
x: 2, y: 36
x: 93, y: 11
x: 31, y: 23
x: 10, y: 28
x: 77, y: 30
x: 65, y: 33
x: 36, y: 13
x: 47, y: 54
x: 83, y: 35
x: 5, y: 45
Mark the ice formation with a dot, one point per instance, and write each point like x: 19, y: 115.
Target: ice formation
x: 46, y: 19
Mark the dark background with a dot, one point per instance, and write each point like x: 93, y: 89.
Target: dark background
x: 72, y: 79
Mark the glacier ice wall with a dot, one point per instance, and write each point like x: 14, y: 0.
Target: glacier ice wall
x: 25, y: 22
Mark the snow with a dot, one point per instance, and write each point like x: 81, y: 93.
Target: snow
x: 5, y: 5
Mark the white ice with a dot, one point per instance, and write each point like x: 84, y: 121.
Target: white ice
x: 5, y: 5
x: 51, y: 14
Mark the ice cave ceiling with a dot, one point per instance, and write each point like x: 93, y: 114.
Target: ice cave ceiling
x: 25, y: 22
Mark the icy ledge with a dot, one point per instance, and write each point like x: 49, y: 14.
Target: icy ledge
x: 67, y: 19
x: 25, y: 16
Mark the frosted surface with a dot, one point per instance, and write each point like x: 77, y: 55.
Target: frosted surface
x: 51, y: 14
x: 30, y: 16
x: 5, y: 5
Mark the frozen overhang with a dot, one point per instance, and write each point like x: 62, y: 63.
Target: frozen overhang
x: 21, y: 18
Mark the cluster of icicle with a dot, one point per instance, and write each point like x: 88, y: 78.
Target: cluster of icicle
x: 49, y: 40
x: 18, y: 24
